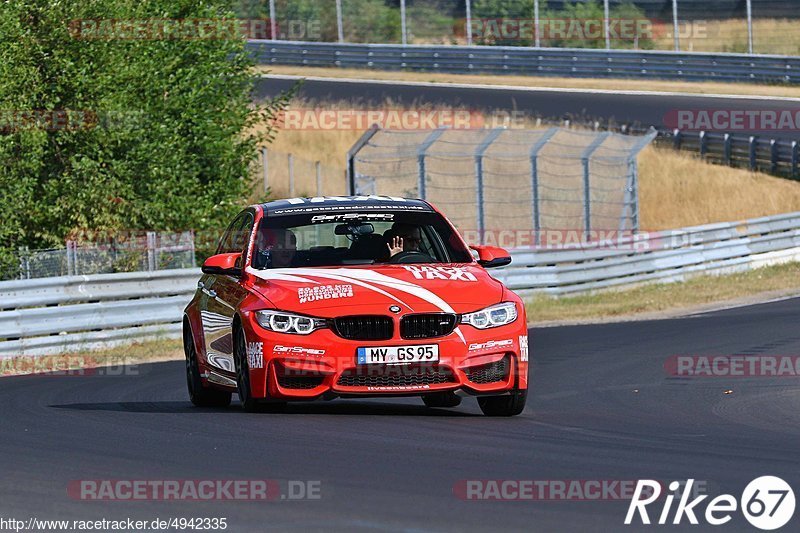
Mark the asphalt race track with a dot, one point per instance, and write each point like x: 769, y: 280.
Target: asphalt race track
x: 603, y: 408
x: 638, y: 109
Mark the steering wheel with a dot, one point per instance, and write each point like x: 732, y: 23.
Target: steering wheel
x: 410, y: 256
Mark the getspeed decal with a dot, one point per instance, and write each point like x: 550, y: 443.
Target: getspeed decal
x: 324, y: 292
x: 297, y: 350
x: 477, y: 346
x: 255, y: 355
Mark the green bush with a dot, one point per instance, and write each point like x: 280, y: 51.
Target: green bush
x: 160, y: 133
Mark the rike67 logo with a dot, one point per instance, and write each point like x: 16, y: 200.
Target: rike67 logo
x: 767, y: 503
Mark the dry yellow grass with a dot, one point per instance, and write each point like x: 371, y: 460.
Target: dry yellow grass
x: 770, y: 36
x: 676, y: 189
x: 744, y: 89
x: 658, y: 300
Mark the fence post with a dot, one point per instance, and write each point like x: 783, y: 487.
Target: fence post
x: 318, y: 171
x: 587, y: 190
x: 606, y: 30
x: 726, y: 155
x: 794, y: 159
x: 750, y: 26
x: 752, y: 150
x: 469, y: 22
x: 273, y: 24
x: 536, y: 30
x: 290, y: 164
x: 479, y: 151
x: 535, y: 149
x: 151, y: 251
x: 265, y: 167
x: 403, y: 22
x: 675, y: 26
x: 703, y: 144
x: 350, y: 173
x: 421, y: 170
x: 339, y: 26
x: 773, y: 156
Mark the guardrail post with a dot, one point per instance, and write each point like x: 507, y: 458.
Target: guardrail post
x: 773, y: 156
x: 350, y: 175
x: 318, y: 171
x: 479, y: 151
x: 422, y: 172
x: 726, y: 150
x: 676, y: 139
x: 587, y: 189
x: 703, y: 144
x: 535, y: 149
x: 794, y: 159
x: 752, y: 152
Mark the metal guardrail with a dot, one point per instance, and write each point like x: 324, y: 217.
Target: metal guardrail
x: 570, y: 62
x: 73, y: 313
x: 662, y: 256
x: 69, y: 314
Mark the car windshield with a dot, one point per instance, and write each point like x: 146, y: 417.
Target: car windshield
x: 335, y: 239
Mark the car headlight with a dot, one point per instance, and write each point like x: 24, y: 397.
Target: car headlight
x: 491, y: 317
x: 281, y: 322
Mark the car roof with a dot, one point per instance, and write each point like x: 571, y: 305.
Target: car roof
x: 344, y: 204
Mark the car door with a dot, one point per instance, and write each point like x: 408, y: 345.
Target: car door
x: 221, y: 296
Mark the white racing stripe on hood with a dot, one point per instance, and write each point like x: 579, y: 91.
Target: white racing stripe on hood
x: 360, y: 278
x: 280, y: 274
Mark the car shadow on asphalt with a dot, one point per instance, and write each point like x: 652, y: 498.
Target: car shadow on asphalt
x: 347, y: 407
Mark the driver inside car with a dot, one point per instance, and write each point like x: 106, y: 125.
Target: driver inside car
x: 276, y: 248
x: 403, y: 238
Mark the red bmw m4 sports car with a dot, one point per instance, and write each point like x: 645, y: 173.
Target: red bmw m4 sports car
x: 361, y: 296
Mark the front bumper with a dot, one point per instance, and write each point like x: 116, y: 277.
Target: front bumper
x: 324, y: 365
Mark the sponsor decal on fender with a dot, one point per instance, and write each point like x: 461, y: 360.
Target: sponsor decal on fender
x: 441, y: 272
x: 297, y: 350
x: 255, y: 355
x: 489, y: 345
x: 523, y: 348
x: 324, y: 292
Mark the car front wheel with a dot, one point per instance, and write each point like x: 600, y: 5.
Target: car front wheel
x: 508, y: 405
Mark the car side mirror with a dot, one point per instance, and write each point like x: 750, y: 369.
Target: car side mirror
x: 223, y: 265
x: 492, y: 256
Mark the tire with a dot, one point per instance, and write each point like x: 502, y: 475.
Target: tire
x: 249, y: 404
x: 509, y: 405
x: 199, y: 395
x: 442, y: 399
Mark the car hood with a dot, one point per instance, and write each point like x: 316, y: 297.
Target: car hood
x: 332, y: 291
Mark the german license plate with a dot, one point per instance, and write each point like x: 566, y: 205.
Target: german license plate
x: 397, y: 355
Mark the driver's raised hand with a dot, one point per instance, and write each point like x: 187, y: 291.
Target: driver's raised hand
x: 395, y: 246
